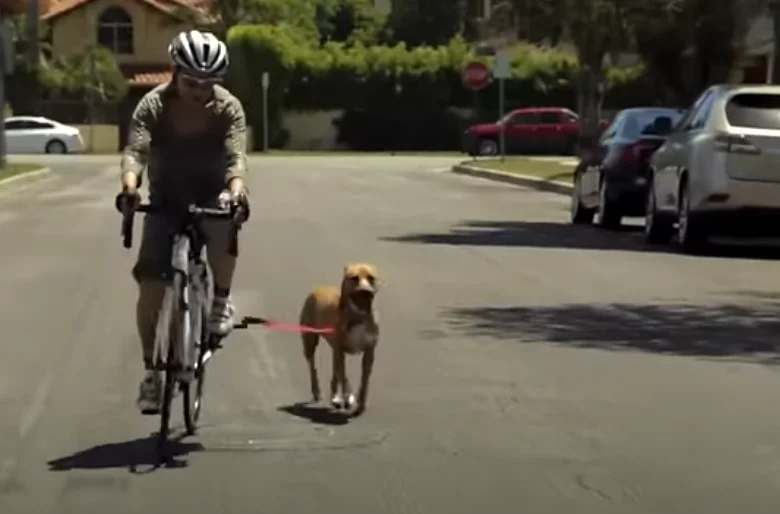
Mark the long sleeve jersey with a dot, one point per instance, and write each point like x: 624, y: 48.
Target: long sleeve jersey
x: 186, y: 168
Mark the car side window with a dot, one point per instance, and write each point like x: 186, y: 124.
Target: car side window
x: 525, y: 118
x: 550, y: 118
x: 38, y: 125
x: 687, y: 121
x: 16, y: 125
x: 702, y: 113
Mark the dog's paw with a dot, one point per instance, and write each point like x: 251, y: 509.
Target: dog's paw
x: 351, y: 401
x: 337, y: 401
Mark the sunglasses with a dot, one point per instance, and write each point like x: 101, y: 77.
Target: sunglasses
x: 196, y: 83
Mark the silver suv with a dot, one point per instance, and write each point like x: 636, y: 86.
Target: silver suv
x: 719, y: 169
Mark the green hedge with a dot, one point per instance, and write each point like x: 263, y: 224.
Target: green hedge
x: 390, y: 91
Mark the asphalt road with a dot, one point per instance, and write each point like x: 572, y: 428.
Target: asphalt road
x: 525, y: 365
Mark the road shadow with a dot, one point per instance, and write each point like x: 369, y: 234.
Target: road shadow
x: 547, y: 234
x: 137, y: 455
x: 319, y: 414
x: 536, y: 234
x: 717, y: 331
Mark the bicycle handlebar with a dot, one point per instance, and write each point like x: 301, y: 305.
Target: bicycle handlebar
x: 192, y: 210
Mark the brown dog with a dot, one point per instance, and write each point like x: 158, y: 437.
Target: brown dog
x: 350, y: 312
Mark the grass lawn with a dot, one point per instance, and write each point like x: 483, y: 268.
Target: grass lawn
x: 12, y: 169
x: 551, y: 170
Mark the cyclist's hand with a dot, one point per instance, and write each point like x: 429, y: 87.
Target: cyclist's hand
x: 239, y: 203
x: 128, y: 199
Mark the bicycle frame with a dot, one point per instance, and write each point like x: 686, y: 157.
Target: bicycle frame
x: 190, y: 272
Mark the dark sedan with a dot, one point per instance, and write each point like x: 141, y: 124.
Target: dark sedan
x: 613, y: 181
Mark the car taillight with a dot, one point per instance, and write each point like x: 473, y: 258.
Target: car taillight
x: 635, y: 153
x: 735, y: 143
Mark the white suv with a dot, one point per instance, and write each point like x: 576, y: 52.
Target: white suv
x: 719, y: 169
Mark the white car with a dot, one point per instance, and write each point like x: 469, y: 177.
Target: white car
x: 36, y: 134
x: 717, y: 172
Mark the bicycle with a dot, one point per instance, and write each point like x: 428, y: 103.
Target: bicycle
x: 183, y: 345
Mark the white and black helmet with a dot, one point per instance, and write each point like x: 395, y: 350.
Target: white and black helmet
x: 199, y: 53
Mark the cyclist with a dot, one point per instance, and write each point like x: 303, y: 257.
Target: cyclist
x: 190, y: 135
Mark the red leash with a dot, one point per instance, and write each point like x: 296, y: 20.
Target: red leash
x: 283, y: 327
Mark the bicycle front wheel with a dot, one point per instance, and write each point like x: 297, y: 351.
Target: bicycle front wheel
x: 169, y: 312
x: 193, y: 392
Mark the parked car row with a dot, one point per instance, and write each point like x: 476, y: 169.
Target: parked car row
x: 529, y: 130
x: 711, y: 170
x: 36, y: 134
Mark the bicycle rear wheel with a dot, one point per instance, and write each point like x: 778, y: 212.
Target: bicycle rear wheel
x: 169, y: 311
x: 192, y: 393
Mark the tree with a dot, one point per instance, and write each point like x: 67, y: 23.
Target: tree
x: 316, y: 21
x: 689, y: 44
x: 427, y: 22
x: 93, y: 73
x: 594, y: 28
x: 350, y: 21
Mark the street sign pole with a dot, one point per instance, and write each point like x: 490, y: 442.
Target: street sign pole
x: 266, y: 84
x: 501, y: 71
x: 501, y: 109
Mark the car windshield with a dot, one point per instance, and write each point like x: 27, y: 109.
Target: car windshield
x: 642, y: 123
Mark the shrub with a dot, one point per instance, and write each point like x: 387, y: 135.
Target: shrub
x: 395, y: 97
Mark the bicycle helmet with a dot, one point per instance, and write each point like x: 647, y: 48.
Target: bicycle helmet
x: 199, y: 53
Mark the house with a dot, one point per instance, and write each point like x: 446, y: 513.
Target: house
x: 137, y: 31
x: 758, y: 52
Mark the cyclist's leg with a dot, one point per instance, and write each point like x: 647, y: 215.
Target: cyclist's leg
x: 222, y: 265
x: 151, y: 272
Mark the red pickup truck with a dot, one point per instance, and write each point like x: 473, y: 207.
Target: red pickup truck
x: 534, y: 130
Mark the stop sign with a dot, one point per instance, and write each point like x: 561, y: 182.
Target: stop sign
x: 476, y: 76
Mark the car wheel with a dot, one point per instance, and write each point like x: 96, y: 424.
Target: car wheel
x: 488, y: 147
x: 56, y: 146
x: 691, y: 236
x: 658, y: 228
x: 580, y: 215
x: 608, y: 214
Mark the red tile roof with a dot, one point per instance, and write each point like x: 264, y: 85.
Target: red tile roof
x: 53, y: 8
x: 145, y: 79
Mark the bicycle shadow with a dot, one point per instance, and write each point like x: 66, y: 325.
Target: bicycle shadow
x: 137, y: 455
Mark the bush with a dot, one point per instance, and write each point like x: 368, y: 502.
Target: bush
x: 396, y: 97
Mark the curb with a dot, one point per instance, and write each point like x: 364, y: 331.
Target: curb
x: 550, y: 186
x: 24, y: 176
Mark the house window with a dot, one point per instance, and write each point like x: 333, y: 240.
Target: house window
x: 115, y: 30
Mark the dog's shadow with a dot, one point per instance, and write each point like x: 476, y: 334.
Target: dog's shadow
x: 317, y: 413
